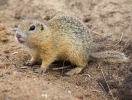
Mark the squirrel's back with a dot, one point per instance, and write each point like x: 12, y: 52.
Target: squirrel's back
x: 71, y: 29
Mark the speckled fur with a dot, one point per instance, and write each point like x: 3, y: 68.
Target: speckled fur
x: 63, y: 38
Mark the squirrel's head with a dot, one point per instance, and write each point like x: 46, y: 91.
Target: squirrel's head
x: 28, y: 28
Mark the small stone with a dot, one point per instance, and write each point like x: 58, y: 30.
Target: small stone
x: 14, y: 53
x: 7, y: 63
x: 24, y: 67
x: 47, y: 17
x: 17, y: 16
x: 88, y: 75
x: 44, y: 95
x: 87, y: 19
x: 6, y: 97
x: 2, y: 32
x: 6, y: 51
x: 79, y: 96
x: 9, y: 73
x: 76, y: 87
x: 7, y: 56
x: 69, y: 92
x: 2, y: 27
x: 1, y: 75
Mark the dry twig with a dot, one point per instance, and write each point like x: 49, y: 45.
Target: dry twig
x: 107, y: 85
x: 63, y: 67
x: 119, y: 40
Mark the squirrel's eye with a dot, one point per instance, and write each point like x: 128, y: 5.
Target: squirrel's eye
x: 32, y: 28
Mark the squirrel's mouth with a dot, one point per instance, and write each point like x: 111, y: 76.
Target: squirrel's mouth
x: 20, y: 40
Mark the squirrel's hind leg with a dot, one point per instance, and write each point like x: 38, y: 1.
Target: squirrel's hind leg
x: 81, y: 64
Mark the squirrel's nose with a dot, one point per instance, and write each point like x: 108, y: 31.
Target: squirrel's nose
x: 18, y: 36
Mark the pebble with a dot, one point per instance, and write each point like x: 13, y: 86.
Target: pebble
x: 2, y: 32
x: 44, y: 95
x: 6, y: 51
x: 87, y: 19
x: 69, y: 92
x: 7, y: 63
x: 14, y: 53
x: 79, y: 96
x: 47, y: 17
x: 1, y: 75
x: 88, y: 75
x: 23, y: 67
x: 2, y: 27
x: 6, y: 97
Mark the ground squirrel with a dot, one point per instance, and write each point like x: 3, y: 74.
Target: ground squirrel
x: 61, y: 38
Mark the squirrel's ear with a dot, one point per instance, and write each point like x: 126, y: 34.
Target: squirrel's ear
x: 42, y: 27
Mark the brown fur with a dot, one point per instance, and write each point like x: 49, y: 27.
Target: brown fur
x: 63, y: 38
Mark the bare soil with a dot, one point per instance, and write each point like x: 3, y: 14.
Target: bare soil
x: 110, y: 22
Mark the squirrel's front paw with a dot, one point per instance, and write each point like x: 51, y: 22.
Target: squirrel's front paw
x: 29, y: 63
x: 40, y: 70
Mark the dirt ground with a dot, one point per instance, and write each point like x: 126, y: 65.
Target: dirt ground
x: 110, y: 23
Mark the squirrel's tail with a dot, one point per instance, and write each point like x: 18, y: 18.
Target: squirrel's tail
x: 110, y: 56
